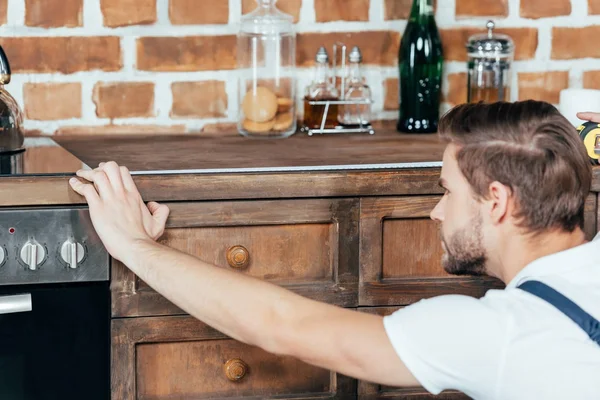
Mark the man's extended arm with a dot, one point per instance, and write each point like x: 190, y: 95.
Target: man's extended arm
x: 242, y: 307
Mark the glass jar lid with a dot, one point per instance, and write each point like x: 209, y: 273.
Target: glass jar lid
x: 267, y: 19
x: 490, y: 43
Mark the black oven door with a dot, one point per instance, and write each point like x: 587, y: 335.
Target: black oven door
x: 55, y: 342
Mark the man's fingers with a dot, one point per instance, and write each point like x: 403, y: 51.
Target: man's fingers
x: 589, y: 116
x: 99, y: 179
x: 160, y: 214
x: 86, y: 190
x: 153, y: 207
x: 113, y: 172
x: 127, y: 180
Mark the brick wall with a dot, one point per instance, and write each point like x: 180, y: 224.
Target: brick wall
x: 130, y: 66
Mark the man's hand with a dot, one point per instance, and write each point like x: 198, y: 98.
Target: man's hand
x: 118, y: 213
x: 589, y: 116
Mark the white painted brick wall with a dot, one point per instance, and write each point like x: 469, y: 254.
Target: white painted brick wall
x: 92, y: 26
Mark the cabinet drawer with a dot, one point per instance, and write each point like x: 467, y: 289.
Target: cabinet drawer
x: 370, y: 391
x: 400, y: 254
x: 308, y: 246
x: 181, y: 358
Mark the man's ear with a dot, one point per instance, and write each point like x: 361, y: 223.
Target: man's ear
x: 499, y: 201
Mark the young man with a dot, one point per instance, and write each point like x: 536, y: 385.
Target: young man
x: 515, y: 177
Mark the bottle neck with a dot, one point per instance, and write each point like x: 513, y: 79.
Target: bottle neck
x: 421, y: 10
x: 321, y: 73
x: 266, y: 3
x: 354, y: 72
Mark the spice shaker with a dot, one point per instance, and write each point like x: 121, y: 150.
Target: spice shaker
x: 356, y: 93
x: 321, y: 90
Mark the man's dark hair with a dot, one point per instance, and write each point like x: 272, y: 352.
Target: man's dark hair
x: 532, y: 149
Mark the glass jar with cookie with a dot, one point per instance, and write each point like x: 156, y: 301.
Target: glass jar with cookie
x: 266, y: 56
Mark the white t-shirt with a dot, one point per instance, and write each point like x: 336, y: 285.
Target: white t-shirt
x: 509, y: 344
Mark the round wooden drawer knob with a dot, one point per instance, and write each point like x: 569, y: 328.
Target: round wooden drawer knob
x: 235, y: 369
x: 238, y: 257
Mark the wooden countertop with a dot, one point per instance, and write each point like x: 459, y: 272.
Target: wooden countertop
x: 145, y: 154
x: 235, y: 153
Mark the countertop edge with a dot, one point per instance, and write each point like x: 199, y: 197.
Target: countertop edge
x: 48, y: 190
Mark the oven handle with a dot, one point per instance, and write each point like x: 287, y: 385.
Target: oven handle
x: 15, y: 304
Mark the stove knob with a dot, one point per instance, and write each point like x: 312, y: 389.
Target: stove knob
x: 32, y: 254
x: 2, y: 255
x: 72, y: 253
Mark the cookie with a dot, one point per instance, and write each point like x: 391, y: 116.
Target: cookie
x: 283, y: 121
x: 258, y: 127
x: 284, y: 104
x: 260, y: 105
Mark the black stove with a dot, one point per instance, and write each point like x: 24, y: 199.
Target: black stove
x: 54, y: 279
x: 39, y: 156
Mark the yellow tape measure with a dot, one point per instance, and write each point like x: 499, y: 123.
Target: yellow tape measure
x: 589, y: 132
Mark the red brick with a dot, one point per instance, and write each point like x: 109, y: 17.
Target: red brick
x: 52, y: 101
x: 543, y: 8
x: 454, y: 41
x: 391, y: 94
x: 594, y: 7
x: 400, y: 9
x: 54, y: 13
x: 342, y: 10
x: 544, y: 86
x: 187, y: 12
x: 572, y: 43
x: 199, y: 99
x: 591, y: 80
x: 190, y: 53
x: 291, y: 7
x: 62, y: 54
x: 220, y: 129
x: 124, y: 99
x: 128, y: 12
x: 378, y: 47
x: 457, y: 89
x: 397, y: 9
x: 482, y: 8
x: 3, y: 11
x: 120, y: 130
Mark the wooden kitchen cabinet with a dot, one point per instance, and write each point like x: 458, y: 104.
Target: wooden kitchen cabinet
x: 372, y: 251
x: 400, y: 254
x: 359, y: 236
x: 308, y: 246
x: 179, y: 357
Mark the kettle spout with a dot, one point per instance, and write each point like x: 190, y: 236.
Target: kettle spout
x: 4, y: 68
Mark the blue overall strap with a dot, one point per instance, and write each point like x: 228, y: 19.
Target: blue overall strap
x: 588, y: 323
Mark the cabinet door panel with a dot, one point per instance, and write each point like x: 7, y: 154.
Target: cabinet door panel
x: 308, y: 246
x: 400, y: 254
x: 179, y: 357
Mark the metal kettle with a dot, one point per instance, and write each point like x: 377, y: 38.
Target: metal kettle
x: 11, y: 116
x: 12, y: 152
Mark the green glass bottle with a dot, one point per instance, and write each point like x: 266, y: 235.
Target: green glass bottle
x: 421, y: 62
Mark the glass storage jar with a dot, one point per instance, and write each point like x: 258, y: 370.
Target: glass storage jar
x: 266, y: 54
x: 490, y: 57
